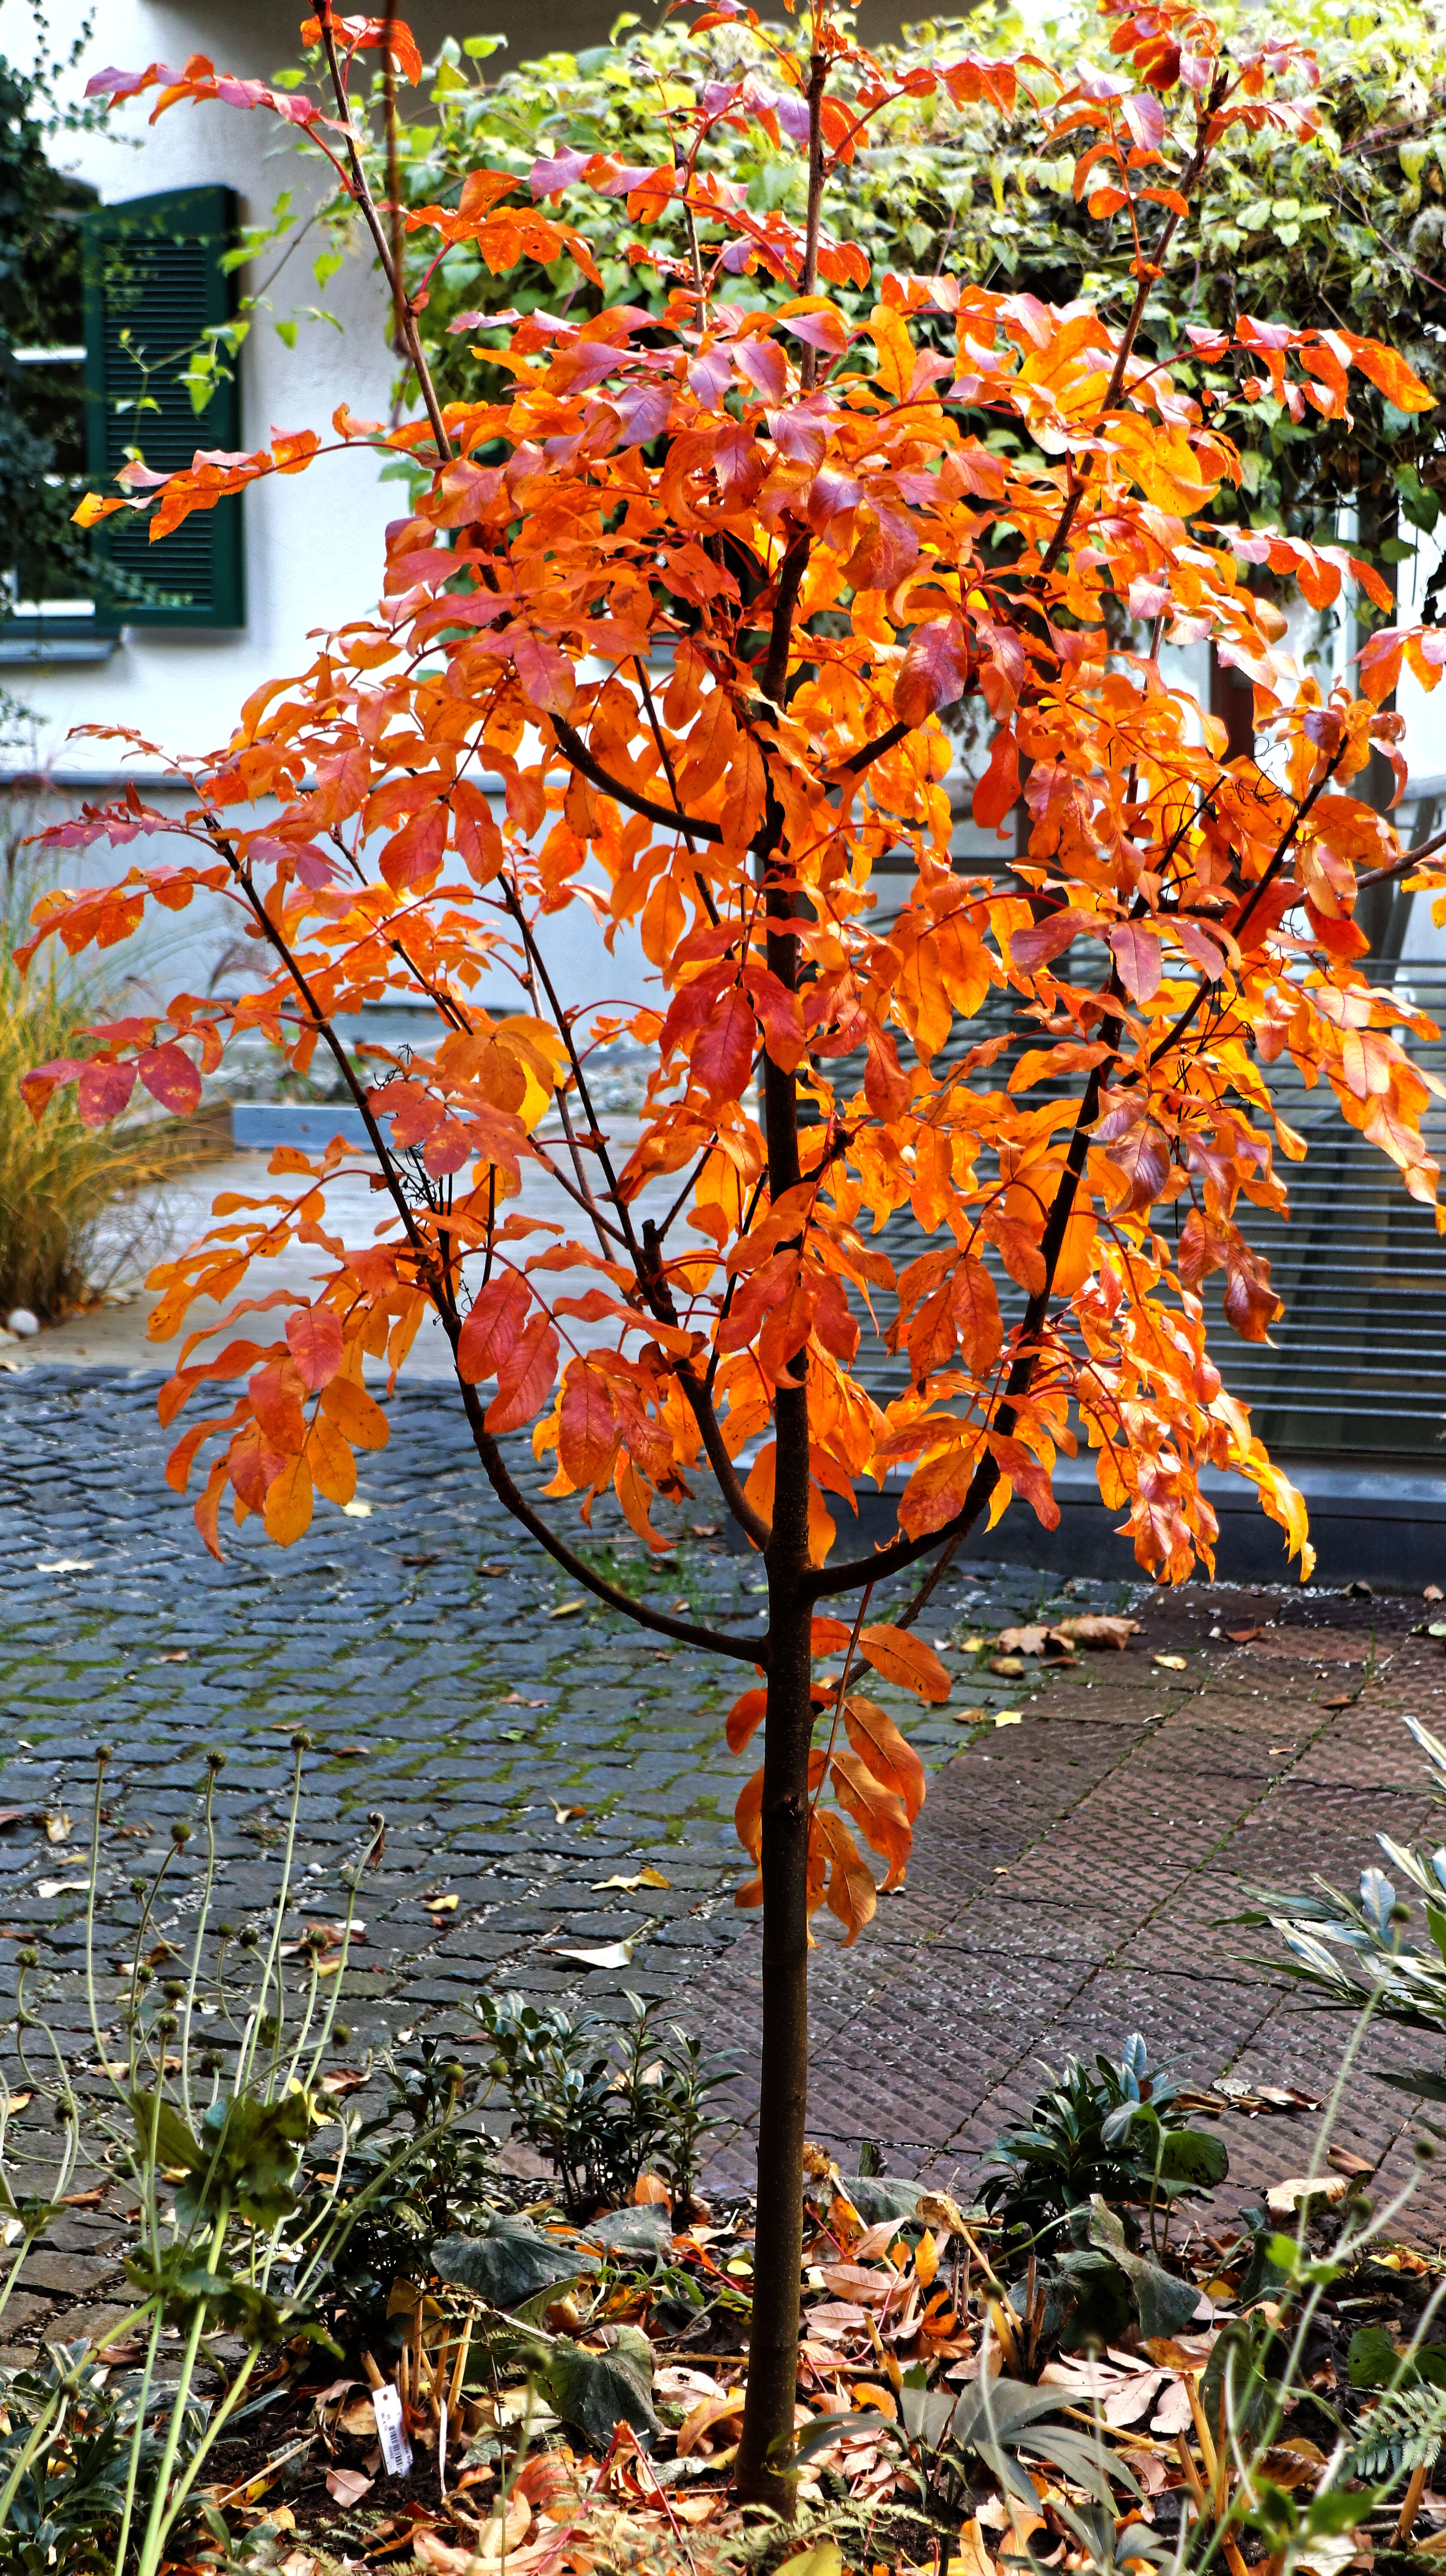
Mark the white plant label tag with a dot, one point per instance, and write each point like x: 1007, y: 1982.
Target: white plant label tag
x: 396, y: 2449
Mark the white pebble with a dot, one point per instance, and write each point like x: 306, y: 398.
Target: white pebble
x: 21, y: 1321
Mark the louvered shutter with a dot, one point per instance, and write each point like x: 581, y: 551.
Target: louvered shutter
x: 153, y: 284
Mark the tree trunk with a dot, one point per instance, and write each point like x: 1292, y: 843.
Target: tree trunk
x: 762, y: 2476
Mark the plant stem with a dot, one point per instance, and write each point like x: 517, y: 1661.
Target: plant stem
x: 158, y: 2520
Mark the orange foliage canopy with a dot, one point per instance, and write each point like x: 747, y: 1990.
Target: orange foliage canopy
x: 669, y: 634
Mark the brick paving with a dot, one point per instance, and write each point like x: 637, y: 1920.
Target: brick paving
x: 1073, y: 1874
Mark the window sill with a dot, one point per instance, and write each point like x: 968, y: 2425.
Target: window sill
x: 45, y: 649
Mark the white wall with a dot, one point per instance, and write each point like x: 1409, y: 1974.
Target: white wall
x: 313, y: 542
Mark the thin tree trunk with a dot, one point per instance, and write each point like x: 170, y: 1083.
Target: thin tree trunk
x: 762, y: 2475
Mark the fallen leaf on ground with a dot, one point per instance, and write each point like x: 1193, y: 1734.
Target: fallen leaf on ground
x: 614, y: 1954
x: 640, y: 1878
x: 1024, y: 1641
x: 1008, y: 1667
x: 968, y: 1716
x: 1098, y: 1628
x: 357, y: 1511
x: 565, y: 1815
x: 63, y: 1887
x: 1342, y: 1699
x: 565, y: 1609
x: 1244, y: 1636
x: 442, y: 1904
x: 1284, y: 2198
x: 1341, y: 2161
x: 1009, y: 1717
x: 348, y: 2486
x: 13, y: 1815
x: 515, y: 1699
x: 176, y: 1655
x: 1433, y: 1592
x: 1172, y: 1663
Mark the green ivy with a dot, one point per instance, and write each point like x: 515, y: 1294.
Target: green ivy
x: 1345, y: 229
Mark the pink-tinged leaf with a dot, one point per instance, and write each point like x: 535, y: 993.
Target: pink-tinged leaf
x: 104, y: 1091
x: 314, y: 1337
x: 1136, y: 954
x: 493, y: 1327
x: 525, y: 1379
x: 1145, y: 118
x: 171, y: 1077
x: 1040, y: 942
x: 545, y: 673
x: 765, y: 366
x: 934, y: 671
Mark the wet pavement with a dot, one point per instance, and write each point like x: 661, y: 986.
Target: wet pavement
x: 1075, y: 1868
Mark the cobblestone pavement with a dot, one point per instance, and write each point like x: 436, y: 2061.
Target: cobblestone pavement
x: 1072, y: 1872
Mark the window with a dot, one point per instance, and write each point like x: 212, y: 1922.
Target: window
x: 146, y: 286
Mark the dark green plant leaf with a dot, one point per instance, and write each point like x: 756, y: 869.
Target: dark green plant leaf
x: 511, y: 2263
x: 1192, y: 2159
x: 597, y: 2391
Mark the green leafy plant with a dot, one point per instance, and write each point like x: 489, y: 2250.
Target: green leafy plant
x: 1342, y: 228
x: 1353, y: 1951
x: 222, y: 2118
x: 63, y: 2498
x: 398, y: 2208
x: 601, y: 2103
x: 1112, y: 2131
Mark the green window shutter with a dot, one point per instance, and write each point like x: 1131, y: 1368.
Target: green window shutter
x: 153, y: 284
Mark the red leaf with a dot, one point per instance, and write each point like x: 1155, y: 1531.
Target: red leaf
x: 493, y: 1327
x: 588, y: 1426
x: 315, y: 1339
x: 998, y: 789
x: 104, y: 1090
x: 936, y: 667
x: 171, y: 1078
x: 525, y: 1379
x: 723, y: 1048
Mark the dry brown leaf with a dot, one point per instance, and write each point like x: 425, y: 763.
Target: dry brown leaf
x: 347, y: 2486
x: 1009, y: 1667
x: 1244, y: 1636
x: 1030, y: 1640
x: 57, y: 1829
x: 1098, y: 1628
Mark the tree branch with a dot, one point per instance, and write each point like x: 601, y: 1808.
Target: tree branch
x: 752, y: 1650
x: 581, y: 758
x: 391, y: 270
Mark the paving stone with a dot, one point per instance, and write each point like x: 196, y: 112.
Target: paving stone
x: 1072, y: 1876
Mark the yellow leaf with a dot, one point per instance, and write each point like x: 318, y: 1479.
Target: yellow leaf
x: 1172, y: 1663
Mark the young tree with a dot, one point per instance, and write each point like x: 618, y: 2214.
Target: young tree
x: 696, y: 593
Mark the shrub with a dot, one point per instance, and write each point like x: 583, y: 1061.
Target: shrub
x: 60, y: 1177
